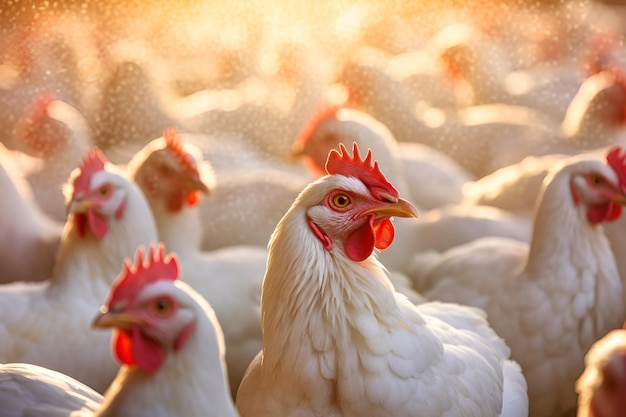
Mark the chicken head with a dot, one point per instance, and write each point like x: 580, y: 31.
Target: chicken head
x: 602, y: 386
x: 150, y: 320
x: 170, y: 173
x: 356, y: 214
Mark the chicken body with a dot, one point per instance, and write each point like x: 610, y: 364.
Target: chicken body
x: 27, y: 234
x: 108, y: 219
x: 338, y: 339
x: 567, y: 272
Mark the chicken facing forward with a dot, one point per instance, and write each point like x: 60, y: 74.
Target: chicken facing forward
x: 167, y: 338
x: 567, y: 274
x: 340, y: 341
x: 108, y: 218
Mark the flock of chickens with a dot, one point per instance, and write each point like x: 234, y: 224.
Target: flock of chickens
x: 290, y: 218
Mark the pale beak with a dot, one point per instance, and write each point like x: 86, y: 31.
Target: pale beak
x: 106, y: 319
x: 401, y: 208
x: 80, y: 206
x: 196, y: 184
x: 619, y: 198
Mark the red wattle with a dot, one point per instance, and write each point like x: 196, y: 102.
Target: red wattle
x: 384, y: 234
x: 97, y: 224
x: 133, y: 348
x: 122, y: 346
x: 360, y: 244
x: 607, y: 212
x: 148, y: 354
x: 193, y: 198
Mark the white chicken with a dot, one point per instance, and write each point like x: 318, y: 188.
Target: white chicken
x: 108, y: 219
x: 567, y: 272
x: 339, y: 341
x: 56, y: 135
x: 169, y: 172
x: 26, y: 234
x: 602, y: 386
x: 167, y: 338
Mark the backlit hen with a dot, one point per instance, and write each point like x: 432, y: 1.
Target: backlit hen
x: 340, y: 341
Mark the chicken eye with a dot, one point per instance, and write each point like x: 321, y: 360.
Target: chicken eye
x: 596, y: 180
x: 162, y: 306
x: 341, y: 200
x: 104, y: 191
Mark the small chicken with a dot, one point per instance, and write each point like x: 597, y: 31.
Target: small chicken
x: 602, y: 386
x: 108, y: 218
x: 567, y: 272
x: 340, y: 341
x: 172, y: 175
x: 56, y: 135
x: 167, y: 338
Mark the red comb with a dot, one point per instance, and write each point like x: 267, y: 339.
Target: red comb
x: 322, y: 113
x: 616, y: 158
x: 175, y: 145
x: 365, y: 170
x: 92, y: 162
x: 135, y: 277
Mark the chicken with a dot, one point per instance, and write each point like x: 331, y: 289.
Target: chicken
x: 26, y: 234
x: 108, y: 218
x: 48, y: 67
x: 169, y: 172
x: 165, y: 335
x: 567, y: 272
x: 338, y: 339
x: 595, y: 116
x: 602, y: 386
x: 56, y: 135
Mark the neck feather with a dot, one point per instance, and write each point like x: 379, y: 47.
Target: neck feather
x: 317, y: 286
